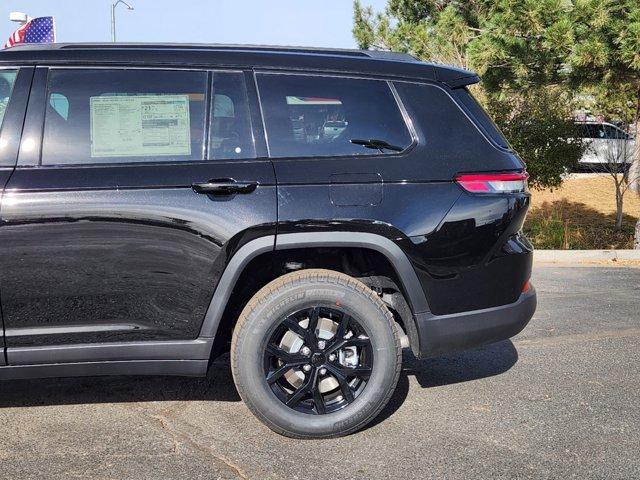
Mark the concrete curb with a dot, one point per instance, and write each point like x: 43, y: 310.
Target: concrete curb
x: 586, y: 255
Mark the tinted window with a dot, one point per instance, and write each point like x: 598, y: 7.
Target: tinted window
x: 7, y: 80
x: 319, y: 116
x: 481, y: 117
x: 121, y: 116
x: 231, y: 135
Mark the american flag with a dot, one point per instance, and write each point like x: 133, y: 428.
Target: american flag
x: 37, y: 30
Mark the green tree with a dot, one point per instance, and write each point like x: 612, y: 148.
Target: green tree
x: 605, y: 61
x: 518, y: 47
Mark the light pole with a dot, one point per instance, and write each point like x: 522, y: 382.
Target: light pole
x: 113, y: 17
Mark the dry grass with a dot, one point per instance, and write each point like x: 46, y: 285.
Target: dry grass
x: 596, y: 192
x: 581, y: 215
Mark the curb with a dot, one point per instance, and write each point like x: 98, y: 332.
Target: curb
x: 586, y: 255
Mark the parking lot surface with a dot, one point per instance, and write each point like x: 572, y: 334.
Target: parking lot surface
x: 558, y: 401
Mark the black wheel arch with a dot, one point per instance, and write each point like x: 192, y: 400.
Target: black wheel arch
x: 413, y: 294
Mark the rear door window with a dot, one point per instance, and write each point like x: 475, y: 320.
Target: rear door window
x: 122, y: 116
x: 7, y: 80
x: 318, y: 116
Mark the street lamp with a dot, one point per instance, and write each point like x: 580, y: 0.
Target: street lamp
x: 113, y: 17
x: 19, y: 17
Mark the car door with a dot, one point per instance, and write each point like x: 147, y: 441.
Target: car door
x: 117, y: 225
x: 15, y: 83
x: 357, y: 175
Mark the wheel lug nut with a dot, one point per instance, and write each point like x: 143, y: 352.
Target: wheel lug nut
x: 306, y: 368
x: 322, y: 344
x: 323, y: 371
x: 305, y: 350
x: 332, y: 357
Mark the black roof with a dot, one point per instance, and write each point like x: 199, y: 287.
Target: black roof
x: 373, y: 62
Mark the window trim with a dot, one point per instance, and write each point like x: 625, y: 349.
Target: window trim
x: 398, y: 101
x: 37, y: 120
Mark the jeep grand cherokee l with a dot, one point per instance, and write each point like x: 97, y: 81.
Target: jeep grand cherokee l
x: 311, y: 210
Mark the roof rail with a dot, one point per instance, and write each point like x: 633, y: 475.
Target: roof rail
x: 375, y: 54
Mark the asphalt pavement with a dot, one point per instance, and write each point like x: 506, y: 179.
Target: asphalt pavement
x: 561, y: 400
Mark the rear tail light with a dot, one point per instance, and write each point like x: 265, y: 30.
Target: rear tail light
x: 493, y: 182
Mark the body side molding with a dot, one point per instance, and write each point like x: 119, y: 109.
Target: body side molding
x: 188, y: 368
x: 198, y: 349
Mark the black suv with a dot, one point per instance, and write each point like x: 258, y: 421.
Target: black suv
x: 312, y: 210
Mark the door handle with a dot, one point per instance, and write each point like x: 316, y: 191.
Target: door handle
x: 224, y: 187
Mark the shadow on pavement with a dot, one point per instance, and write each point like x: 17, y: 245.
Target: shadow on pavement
x: 465, y: 366
x: 218, y: 386
x: 483, y: 362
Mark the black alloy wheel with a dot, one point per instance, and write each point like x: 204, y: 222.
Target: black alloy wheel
x: 318, y: 360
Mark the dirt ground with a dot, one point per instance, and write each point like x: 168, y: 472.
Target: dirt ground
x: 581, y: 215
x: 594, y: 191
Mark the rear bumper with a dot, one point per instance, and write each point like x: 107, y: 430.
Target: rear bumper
x: 438, y: 334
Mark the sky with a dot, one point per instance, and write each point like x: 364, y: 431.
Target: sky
x: 317, y: 23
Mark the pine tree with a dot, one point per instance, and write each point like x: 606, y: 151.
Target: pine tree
x: 537, y: 59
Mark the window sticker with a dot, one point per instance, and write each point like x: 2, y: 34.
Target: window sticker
x: 141, y: 125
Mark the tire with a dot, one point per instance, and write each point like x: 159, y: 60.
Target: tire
x: 359, y: 377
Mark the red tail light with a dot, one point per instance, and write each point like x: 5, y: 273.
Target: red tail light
x: 493, y: 182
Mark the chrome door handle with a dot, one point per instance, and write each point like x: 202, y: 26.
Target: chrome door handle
x: 224, y: 187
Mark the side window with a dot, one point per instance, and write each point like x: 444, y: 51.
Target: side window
x: 309, y: 116
x: 122, y: 116
x: 231, y: 135
x: 7, y: 80
x: 481, y: 116
x: 614, y: 133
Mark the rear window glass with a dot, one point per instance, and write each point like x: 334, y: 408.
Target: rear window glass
x: 121, y: 116
x: 481, y: 117
x: 316, y: 116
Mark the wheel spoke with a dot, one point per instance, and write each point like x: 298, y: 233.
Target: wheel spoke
x: 356, y: 342
x: 348, y: 342
x: 360, y: 371
x: 290, y: 359
x: 314, y: 315
x: 318, y: 399
x: 342, y: 326
x: 342, y: 381
x: 276, y: 374
x: 295, y: 327
x: 296, y: 396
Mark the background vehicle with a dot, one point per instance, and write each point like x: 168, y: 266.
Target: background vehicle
x: 604, y: 141
x: 162, y: 202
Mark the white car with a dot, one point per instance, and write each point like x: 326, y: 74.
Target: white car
x: 606, y: 143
